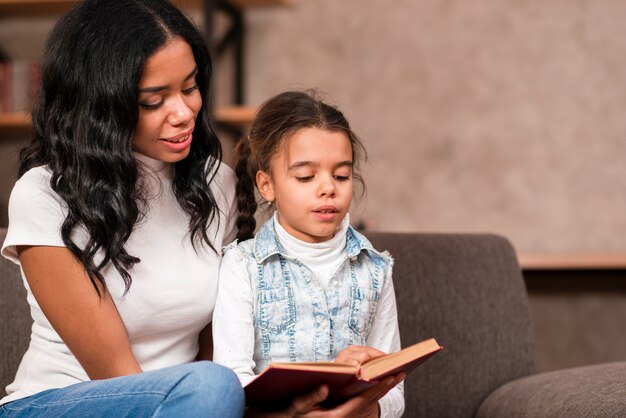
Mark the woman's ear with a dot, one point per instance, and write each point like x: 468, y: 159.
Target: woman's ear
x: 264, y: 184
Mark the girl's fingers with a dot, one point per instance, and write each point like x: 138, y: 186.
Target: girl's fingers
x: 364, y: 401
x: 308, y: 402
x: 357, y: 354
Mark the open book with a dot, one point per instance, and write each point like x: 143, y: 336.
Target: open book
x: 280, y: 382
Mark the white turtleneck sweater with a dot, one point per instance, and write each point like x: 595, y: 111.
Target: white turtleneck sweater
x: 323, y: 258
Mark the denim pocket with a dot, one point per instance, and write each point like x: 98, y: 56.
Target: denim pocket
x: 276, y: 309
x: 363, y: 304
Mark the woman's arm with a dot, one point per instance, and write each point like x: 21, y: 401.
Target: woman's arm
x: 90, y: 327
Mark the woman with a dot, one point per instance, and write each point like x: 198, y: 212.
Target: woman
x: 117, y: 221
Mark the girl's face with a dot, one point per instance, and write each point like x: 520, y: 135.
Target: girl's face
x: 169, y: 102
x: 310, y: 183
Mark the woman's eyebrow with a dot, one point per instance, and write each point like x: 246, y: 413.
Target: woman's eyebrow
x: 156, y: 89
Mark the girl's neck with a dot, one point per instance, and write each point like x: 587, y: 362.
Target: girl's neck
x: 317, y: 256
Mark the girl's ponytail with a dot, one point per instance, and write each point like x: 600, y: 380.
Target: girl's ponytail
x: 246, y: 199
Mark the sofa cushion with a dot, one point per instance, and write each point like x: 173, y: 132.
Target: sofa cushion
x: 467, y: 291
x: 590, y: 391
x: 15, y: 320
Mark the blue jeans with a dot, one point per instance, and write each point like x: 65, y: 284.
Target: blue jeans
x: 200, y: 389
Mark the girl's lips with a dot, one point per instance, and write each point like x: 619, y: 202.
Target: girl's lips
x: 326, y: 209
x: 326, y: 213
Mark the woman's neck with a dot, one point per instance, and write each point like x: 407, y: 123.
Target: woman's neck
x: 151, y: 163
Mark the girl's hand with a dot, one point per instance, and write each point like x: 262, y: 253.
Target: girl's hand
x: 356, y: 355
x: 308, y: 406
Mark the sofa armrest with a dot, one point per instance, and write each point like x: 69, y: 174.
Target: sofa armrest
x: 590, y: 391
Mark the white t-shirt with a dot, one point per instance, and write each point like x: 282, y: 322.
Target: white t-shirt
x: 173, y: 289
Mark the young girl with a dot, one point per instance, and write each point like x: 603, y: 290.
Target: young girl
x: 308, y: 287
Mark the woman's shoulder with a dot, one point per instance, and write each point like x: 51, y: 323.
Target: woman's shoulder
x: 222, y: 174
x: 36, y: 175
x: 34, y: 183
x: 35, y: 213
x: 222, y: 180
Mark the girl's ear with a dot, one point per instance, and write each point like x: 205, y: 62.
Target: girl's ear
x: 264, y: 184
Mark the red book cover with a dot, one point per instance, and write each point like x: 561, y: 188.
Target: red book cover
x: 281, y: 382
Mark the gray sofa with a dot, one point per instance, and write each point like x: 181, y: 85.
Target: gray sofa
x: 467, y: 291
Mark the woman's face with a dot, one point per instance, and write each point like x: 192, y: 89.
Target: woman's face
x: 169, y: 102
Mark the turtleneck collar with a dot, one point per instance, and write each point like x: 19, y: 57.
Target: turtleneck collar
x: 152, y: 164
x: 317, y: 256
x: 155, y: 176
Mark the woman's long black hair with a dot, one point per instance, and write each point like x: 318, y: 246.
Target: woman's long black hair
x: 85, y: 118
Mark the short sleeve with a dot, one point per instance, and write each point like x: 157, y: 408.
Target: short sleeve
x: 36, y: 214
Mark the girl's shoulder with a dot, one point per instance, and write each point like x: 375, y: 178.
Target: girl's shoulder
x: 357, y: 243
x: 240, y: 248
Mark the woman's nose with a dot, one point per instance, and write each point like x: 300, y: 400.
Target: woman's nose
x: 180, y: 112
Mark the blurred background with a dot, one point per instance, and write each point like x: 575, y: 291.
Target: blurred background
x: 478, y: 116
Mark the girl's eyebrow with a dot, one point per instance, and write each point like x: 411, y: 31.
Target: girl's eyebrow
x: 299, y: 164
x: 160, y: 88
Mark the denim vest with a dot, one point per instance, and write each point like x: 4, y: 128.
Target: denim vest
x: 295, y: 319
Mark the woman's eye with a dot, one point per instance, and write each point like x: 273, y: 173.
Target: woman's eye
x: 304, y: 179
x: 151, y: 106
x: 190, y: 89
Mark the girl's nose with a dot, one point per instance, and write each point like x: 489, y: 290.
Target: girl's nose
x: 181, y: 113
x: 327, y: 188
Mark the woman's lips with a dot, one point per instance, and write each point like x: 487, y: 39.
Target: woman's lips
x: 179, y: 142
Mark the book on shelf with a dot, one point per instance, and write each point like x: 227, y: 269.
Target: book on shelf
x: 19, y: 85
x: 280, y: 382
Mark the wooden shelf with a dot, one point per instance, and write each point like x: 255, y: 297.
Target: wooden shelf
x: 56, y: 7
x: 14, y: 125
x: 236, y: 116
x: 572, y: 261
x: 18, y: 120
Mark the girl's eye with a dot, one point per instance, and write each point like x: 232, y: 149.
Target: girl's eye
x: 342, y: 178
x: 151, y: 106
x: 304, y: 179
x: 190, y: 89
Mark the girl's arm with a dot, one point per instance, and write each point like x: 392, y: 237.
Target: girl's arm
x: 90, y: 327
x: 385, y: 335
x: 233, y: 326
